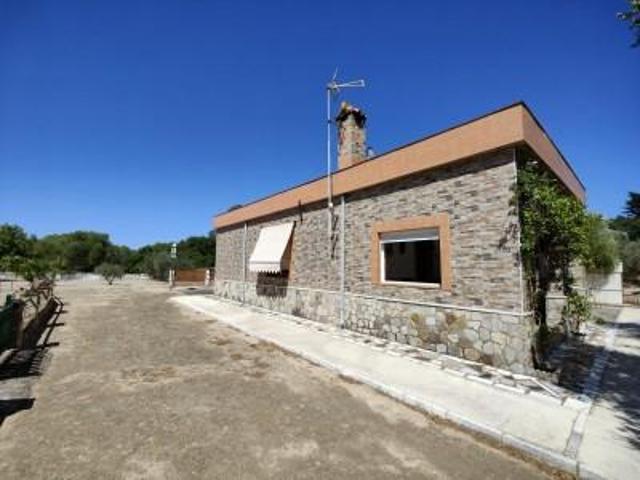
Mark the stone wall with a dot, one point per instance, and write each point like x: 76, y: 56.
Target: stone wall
x: 496, y: 338
x: 322, y: 306
x: 484, y: 227
x: 480, y: 318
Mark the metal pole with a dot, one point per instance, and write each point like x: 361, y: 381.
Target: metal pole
x: 244, y: 261
x: 329, y: 189
x: 342, y: 260
x: 172, y: 270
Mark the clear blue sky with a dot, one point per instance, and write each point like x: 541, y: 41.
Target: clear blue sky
x: 144, y: 118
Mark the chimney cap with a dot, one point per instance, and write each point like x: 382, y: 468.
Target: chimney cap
x: 347, y: 109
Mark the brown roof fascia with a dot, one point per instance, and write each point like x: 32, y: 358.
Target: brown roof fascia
x: 508, y: 126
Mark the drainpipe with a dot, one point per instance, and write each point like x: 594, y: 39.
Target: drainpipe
x: 244, y: 261
x: 342, y: 261
x: 519, y: 238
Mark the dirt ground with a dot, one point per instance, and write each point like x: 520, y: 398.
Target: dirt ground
x: 134, y: 387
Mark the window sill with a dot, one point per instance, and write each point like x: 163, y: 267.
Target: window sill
x: 428, y: 286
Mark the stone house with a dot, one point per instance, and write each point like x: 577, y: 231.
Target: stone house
x: 420, y: 246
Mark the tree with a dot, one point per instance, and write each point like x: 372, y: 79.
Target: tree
x: 14, y: 241
x: 553, y: 234
x: 197, y: 252
x: 119, y: 254
x: 632, y: 15
x: 157, y: 265
x: 556, y: 233
x: 79, y: 251
x: 110, y: 271
x: 31, y: 269
x: 601, y: 250
x: 632, y: 207
x: 628, y: 225
x: 631, y: 261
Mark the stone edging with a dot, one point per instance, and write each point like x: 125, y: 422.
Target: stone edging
x: 551, y: 457
x: 590, y: 392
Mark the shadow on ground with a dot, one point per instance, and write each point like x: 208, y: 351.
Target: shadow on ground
x: 620, y: 384
x: 19, y: 370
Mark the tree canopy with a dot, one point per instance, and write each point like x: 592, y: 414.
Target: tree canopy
x: 84, y: 251
x: 14, y: 241
x: 632, y: 16
x: 628, y: 224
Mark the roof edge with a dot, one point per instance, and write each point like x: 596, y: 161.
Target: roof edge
x: 499, y: 128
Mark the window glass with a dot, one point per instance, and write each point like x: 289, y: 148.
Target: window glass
x: 415, y: 260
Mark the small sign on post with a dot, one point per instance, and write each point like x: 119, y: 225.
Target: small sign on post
x: 172, y: 270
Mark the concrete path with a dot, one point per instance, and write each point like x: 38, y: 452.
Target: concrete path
x: 539, y: 426
x: 611, y: 441
x: 131, y: 386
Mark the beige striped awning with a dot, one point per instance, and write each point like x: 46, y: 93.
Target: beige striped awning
x: 271, y: 253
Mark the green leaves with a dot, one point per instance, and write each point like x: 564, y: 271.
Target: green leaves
x: 576, y: 310
x: 110, y: 271
x: 600, y: 251
x: 14, y: 241
x: 557, y: 232
x: 31, y: 269
x: 633, y: 17
x: 553, y: 222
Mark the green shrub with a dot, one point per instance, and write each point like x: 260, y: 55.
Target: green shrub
x: 600, y: 252
x: 31, y: 269
x: 110, y: 271
x: 576, y: 311
x: 157, y: 265
x: 631, y: 261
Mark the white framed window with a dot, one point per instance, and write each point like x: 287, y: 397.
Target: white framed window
x: 411, y: 257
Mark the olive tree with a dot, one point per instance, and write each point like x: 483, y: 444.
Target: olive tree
x: 110, y: 271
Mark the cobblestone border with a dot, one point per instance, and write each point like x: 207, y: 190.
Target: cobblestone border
x: 590, y: 392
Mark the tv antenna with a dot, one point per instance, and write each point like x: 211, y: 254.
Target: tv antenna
x: 333, y: 89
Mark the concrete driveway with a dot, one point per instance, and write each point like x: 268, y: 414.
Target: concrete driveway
x: 134, y: 387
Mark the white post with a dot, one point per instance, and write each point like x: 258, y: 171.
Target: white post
x: 172, y: 271
x: 244, y: 262
x: 329, y: 186
x: 342, y: 260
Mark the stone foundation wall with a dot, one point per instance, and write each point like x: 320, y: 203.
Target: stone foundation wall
x: 496, y: 338
x: 307, y: 303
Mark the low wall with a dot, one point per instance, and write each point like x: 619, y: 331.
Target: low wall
x: 497, y: 338
x: 191, y: 275
x: 605, y: 289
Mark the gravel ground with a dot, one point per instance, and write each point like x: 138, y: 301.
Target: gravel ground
x: 134, y: 387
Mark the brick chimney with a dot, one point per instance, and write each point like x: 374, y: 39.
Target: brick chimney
x: 352, y: 135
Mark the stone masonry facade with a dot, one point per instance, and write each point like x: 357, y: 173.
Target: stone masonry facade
x: 480, y: 318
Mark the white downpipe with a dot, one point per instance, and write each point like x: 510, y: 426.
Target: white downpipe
x: 342, y: 261
x: 519, y: 240
x: 244, y: 262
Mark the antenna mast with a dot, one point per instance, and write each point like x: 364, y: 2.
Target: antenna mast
x: 333, y: 89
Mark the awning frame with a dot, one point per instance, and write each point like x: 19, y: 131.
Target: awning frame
x: 272, y: 252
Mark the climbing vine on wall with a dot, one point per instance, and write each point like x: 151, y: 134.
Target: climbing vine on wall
x: 557, y: 233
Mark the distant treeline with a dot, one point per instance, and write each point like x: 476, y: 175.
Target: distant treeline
x: 84, y: 251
